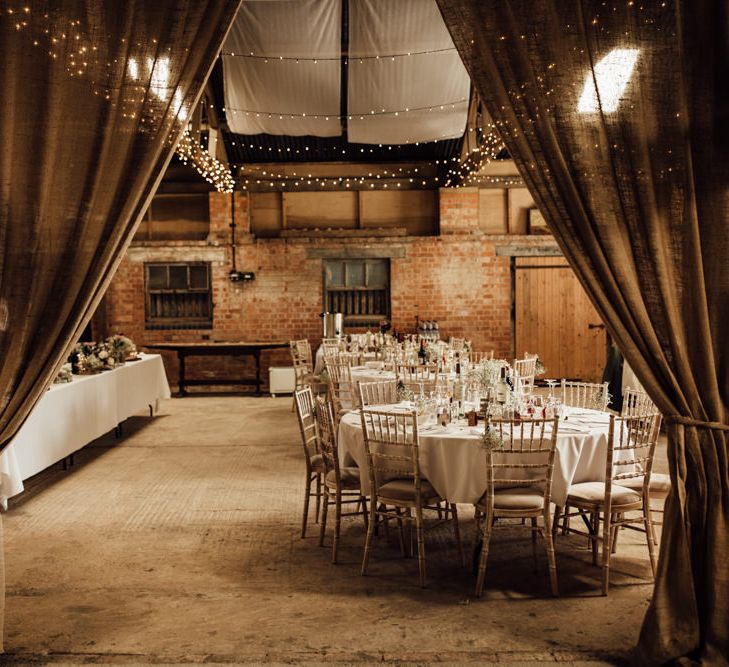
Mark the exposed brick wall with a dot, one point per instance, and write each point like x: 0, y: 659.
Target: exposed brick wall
x: 458, y: 210
x: 455, y: 278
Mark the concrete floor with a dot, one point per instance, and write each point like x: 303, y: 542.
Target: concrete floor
x: 180, y: 543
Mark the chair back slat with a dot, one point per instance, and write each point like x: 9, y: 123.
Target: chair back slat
x: 342, y: 388
x: 524, y: 457
x: 636, y: 402
x: 327, y: 434
x: 592, y: 395
x: 457, y: 344
x: 526, y: 369
x: 631, y: 447
x: 383, y: 392
x: 305, y: 413
x: 477, y: 357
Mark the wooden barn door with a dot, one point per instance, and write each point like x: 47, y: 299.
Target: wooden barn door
x: 555, y: 318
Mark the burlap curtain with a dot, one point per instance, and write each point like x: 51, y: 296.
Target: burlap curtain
x: 93, y: 97
x: 617, y: 114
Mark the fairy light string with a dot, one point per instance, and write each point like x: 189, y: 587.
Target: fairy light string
x: 209, y: 167
x: 82, y: 58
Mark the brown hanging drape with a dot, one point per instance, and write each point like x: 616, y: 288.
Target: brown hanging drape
x: 93, y: 97
x: 632, y: 175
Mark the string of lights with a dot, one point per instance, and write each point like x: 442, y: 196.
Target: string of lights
x: 347, y: 59
x: 287, y: 115
x: 276, y: 181
x: 82, y: 58
x: 209, y: 167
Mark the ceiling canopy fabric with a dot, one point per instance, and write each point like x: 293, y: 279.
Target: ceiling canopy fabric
x: 415, y: 98
x: 405, y: 82
x: 267, y: 90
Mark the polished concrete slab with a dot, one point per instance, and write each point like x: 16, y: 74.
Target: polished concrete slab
x: 179, y: 543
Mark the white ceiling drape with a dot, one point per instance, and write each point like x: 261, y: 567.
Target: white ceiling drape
x: 424, y: 82
x: 259, y: 93
x: 392, y: 97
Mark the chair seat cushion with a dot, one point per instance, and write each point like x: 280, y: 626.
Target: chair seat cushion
x: 348, y: 478
x: 594, y: 492
x: 519, y: 498
x: 404, y: 490
x: 317, y: 463
x: 660, y: 483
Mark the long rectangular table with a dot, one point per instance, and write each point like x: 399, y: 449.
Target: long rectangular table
x: 71, y: 415
x: 217, y: 348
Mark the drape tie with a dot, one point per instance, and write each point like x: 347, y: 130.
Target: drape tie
x: 688, y: 421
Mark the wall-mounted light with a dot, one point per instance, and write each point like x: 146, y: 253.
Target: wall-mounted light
x: 241, y: 276
x: 611, y: 76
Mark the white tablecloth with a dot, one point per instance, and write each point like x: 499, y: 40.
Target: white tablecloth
x: 71, y: 415
x: 454, y: 461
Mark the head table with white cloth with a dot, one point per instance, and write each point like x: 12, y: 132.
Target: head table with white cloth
x: 71, y: 415
x: 453, y: 458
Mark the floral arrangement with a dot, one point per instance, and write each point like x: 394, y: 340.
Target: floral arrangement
x: 598, y: 399
x: 432, y: 354
x: 97, y: 357
x: 64, y: 375
x: 404, y: 393
x: 539, y: 369
x: 121, y: 348
x: 91, y: 358
x: 491, y: 439
x: 486, y: 374
x: 384, y: 326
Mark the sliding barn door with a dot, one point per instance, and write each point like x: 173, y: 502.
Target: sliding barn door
x: 554, y: 318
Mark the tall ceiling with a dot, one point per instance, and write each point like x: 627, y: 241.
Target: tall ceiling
x: 332, y: 80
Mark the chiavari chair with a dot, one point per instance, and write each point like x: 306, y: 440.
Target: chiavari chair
x: 520, y: 463
x: 637, y: 402
x: 382, y: 392
x: 315, y: 470
x: 303, y: 368
x: 526, y: 369
x: 342, y: 389
x: 420, y: 379
x: 606, y: 506
x: 592, y: 395
x: 341, y: 484
x: 392, y: 446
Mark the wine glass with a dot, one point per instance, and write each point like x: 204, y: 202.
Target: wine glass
x: 552, y: 384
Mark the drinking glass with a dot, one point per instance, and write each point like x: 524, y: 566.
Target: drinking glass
x: 551, y: 384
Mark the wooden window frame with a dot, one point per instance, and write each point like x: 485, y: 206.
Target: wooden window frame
x: 190, y: 298
x: 353, y: 295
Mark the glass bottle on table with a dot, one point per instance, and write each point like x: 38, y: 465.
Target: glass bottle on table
x: 421, y: 352
x: 502, y: 387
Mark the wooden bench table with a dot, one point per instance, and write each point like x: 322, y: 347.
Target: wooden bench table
x: 222, y: 349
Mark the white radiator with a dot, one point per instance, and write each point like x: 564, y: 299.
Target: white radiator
x: 281, y: 380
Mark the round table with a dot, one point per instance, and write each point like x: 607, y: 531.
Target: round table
x: 452, y: 458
